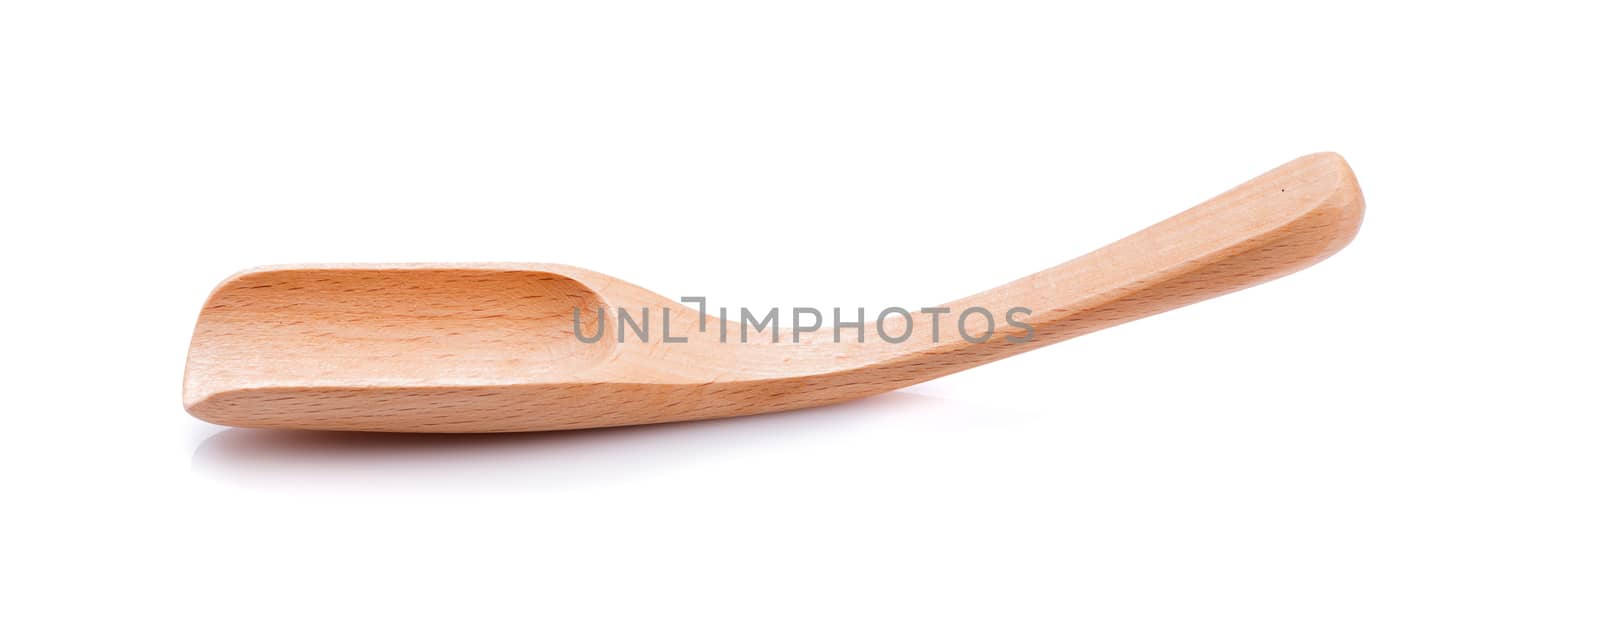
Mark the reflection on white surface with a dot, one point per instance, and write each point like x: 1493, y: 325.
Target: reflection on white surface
x: 552, y: 460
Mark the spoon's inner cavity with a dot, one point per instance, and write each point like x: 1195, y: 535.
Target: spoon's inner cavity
x: 336, y: 327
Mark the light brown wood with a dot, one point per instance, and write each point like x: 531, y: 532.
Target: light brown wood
x: 492, y: 348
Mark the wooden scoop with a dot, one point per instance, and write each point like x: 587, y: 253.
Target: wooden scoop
x: 495, y: 347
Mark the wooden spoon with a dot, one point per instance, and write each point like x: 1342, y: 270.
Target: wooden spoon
x: 493, y: 347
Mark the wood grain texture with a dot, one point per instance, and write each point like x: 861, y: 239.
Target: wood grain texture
x: 491, y: 348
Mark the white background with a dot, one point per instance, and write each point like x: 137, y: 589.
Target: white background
x: 1398, y: 443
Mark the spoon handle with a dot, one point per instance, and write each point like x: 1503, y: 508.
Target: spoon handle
x: 1278, y: 223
